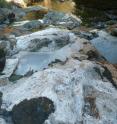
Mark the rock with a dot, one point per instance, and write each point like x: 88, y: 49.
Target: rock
x: 88, y: 35
x: 4, y: 12
x: 90, y: 51
x: 80, y: 56
x: 110, y: 72
x: 61, y: 19
x: 33, y: 25
x: 35, y: 41
x: 2, y: 121
x: 2, y: 59
x: 35, y: 61
x: 32, y: 62
x: 49, y: 45
x: 99, y: 25
x: 9, y: 69
x: 33, y: 111
x: 8, y: 43
x: 76, y: 89
x: 114, y: 32
x: 11, y: 17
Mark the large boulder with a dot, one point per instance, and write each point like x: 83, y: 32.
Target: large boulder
x: 34, y: 111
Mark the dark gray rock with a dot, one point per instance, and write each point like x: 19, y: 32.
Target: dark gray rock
x: 2, y: 59
x: 34, y: 111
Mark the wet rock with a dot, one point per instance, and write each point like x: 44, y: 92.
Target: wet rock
x: 61, y: 19
x: 33, y: 111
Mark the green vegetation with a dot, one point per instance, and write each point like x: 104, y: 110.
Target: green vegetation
x: 3, y: 4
